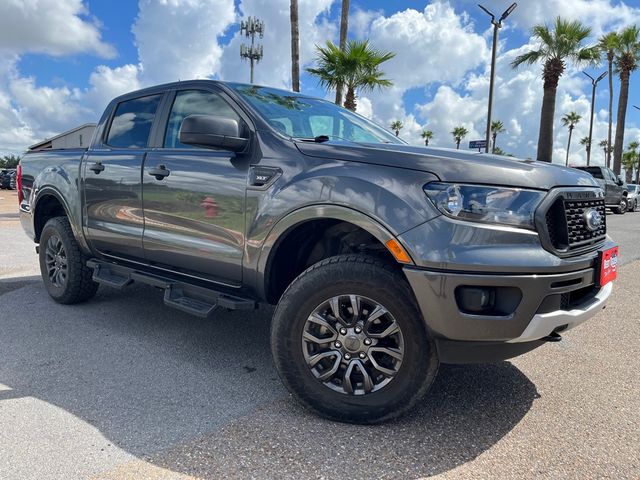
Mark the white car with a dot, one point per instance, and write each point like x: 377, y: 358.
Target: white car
x: 634, y: 197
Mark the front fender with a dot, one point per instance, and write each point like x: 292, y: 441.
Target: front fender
x: 313, y: 212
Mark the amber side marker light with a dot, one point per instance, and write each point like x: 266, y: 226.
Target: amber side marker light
x: 397, y: 251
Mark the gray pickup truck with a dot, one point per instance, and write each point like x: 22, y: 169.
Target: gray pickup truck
x: 384, y: 259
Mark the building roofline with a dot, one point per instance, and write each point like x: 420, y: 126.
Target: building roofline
x: 47, y: 140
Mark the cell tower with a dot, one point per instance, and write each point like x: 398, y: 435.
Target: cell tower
x: 251, y: 27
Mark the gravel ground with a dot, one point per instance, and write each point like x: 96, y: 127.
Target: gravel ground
x: 123, y: 388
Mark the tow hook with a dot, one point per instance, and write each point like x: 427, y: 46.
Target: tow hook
x: 552, y: 337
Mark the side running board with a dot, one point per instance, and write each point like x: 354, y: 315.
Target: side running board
x: 192, y: 299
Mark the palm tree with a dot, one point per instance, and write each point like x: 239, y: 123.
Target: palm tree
x: 396, y: 126
x: 496, y: 127
x: 629, y: 163
x: 562, y: 43
x: 458, y: 134
x: 295, y: 47
x: 357, y: 68
x: 633, y: 147
x: 344, y: 27
x: 570, y: 120
x: 584, y: 141
x: 427, y: 135
x: 627, y: 51
x: 607, y: 44
x: 604, y: 145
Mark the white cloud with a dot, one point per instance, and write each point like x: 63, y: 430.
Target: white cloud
x: 600, y: 15
x: 178, y: 39
x: 435, y: 45
x: 53, y: 27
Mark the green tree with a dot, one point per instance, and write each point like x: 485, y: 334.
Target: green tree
x: 458, y: 135
x: 344, y: 28
x: 604, y: 145
x: 570, y: 120
x: 357, y: 68
x: 295, y: 46
x: 396, y: 126
x: 561, y: 43
x: 607, y: 45
x: 427, y: 135
x: 496, y: 127
x: 627, y: 51
x: 9, y: 161
x: 633, y: 147
x: 584, y: 141
x: 628, y: 161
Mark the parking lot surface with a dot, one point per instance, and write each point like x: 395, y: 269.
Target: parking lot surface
x: 124, y: 388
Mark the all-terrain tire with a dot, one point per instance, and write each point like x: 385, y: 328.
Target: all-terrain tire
x: 76, y: 285
x: 368, y: 278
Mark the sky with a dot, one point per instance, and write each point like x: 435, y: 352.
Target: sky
x: 61, y: 61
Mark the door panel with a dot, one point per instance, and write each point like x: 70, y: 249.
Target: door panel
x: 194, y: 217
x: 112, y: 180
x: 113, y: 202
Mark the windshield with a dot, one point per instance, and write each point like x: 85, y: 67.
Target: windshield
x: 633, y: 188
x: 310, y: 118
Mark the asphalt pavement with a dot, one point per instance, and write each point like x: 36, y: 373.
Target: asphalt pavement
x: 123, y: 388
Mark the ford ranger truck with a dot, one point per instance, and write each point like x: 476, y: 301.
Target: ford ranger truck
x: 384, y: 259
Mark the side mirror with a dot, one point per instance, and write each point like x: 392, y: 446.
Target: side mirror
x: 212, y: 131
x: 620, y: 182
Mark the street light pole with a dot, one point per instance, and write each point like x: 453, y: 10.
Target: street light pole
x: 497, y: 24
x: 594, y: 84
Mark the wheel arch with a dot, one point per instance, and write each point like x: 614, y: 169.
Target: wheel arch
x: 335, y: 217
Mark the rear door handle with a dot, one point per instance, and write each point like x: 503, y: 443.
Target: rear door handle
x: 160, y: 172
x: 97, y: 167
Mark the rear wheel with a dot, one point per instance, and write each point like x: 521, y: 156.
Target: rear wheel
x: 62, y: 264
x: 349, y: 342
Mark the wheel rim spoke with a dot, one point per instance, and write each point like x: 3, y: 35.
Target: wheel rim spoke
x: 337, y: 346
x: 55, y: 260
x: 335, y: 308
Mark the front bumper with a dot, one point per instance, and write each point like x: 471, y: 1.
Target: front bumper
x: 535, y: 292
x: 539, y: 304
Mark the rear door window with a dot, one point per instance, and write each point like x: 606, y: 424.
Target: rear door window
x: 194, y: 102
x: 132, y: 122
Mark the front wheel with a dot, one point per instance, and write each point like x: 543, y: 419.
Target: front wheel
x: 349, y: 342
x: 622, y: 207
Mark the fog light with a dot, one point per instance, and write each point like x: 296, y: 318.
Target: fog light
x: 476, y: 299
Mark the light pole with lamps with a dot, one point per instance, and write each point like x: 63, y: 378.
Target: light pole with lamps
x: 497, y: 24
x: 594, y: 83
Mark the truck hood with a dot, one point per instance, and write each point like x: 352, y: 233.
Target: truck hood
x: 454, y: 165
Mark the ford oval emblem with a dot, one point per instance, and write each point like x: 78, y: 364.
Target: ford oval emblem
x: 593, y: 219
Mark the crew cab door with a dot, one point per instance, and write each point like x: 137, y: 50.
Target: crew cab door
x: 194, y: 198
x: 613, y: 190
x: 111, y: 173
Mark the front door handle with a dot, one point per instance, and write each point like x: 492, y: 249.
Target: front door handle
x: 97, y: 168
x: 160, y: 172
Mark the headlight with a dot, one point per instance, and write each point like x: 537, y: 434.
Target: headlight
x: 481, y: 203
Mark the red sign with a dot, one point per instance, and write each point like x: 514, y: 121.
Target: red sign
x: 608, y: 265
